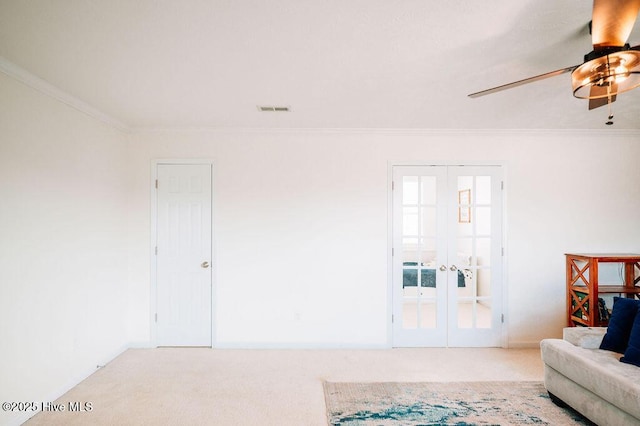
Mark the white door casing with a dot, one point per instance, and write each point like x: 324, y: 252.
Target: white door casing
x: 183, y: 255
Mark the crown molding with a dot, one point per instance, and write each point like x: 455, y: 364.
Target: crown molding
x: 389, y: 131
x: 20, y: 74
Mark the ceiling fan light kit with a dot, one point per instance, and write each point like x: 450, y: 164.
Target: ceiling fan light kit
x: 612, y: 67
x: 605, y: 74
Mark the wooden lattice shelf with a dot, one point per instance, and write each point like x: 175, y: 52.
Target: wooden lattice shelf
x: 583, y: 287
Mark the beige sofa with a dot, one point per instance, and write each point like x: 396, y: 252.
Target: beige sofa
x: 592, y: 381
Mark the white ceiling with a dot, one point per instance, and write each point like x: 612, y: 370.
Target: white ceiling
x: 336, y: 63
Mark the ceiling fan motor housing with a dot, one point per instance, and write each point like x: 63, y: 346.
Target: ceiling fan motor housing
x: 607, y: 71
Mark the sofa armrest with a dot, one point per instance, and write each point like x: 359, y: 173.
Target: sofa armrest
x: 585, y: 337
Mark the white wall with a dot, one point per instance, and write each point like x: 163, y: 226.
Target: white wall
x: 63, y: 263
x: 301, y: 231
x: 301, y: 224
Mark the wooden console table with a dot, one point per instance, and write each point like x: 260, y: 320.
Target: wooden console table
x: 583, y: 287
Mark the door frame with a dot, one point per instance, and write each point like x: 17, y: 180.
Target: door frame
x: 153, y: 241
x: 505, y: 308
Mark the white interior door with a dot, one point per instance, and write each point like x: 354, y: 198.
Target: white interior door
x: 447, y: 256
x: 183, y: 259
x: 419, y: 248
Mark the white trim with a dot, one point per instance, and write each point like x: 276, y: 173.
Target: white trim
x: 390, y: 189
x: 524, y: 345
x: 505, y: 259
x: 389, y: 131
x: 153, y: 242
x: 140, y: 344
x: 298, y: 345
x: 48, y: 89
x: 446, y: 163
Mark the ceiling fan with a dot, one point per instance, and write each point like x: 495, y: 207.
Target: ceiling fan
x: 612, y: 67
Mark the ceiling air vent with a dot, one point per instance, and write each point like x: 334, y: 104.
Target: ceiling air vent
x: 272, y: 108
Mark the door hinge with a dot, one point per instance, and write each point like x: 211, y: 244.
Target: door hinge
x: 156, y: 183
x: 156, y: 250
x: 393, y: 252
x: 393, y: 185
x: 502, y: 185
x: 156, y: 317
x: 502, y: 251
x: 392, y: 318
x: 502, y: 318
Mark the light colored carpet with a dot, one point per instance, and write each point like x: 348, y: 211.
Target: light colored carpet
x: 178, y: 386
x: 446, y: 403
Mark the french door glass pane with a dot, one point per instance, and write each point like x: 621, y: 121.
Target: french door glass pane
x: 483, y: 252
x: 410, y: 222
x: 474, y: 314
x: 484, y: 314
x: 410, y: 189
x: 483, y: 220
x: 428, y: 190
x: 465, y: 314
x: 428, y: 223
x: 428, y: 314
x: 409, y: 314
x: 484, y: 283
x: 483, y: 190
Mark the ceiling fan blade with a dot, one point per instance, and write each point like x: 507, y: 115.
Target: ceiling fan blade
x: 521, y: 82
x: 612, y: 21
x: 604, y: 99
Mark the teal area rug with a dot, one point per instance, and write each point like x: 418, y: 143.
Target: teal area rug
x: 455, y: 403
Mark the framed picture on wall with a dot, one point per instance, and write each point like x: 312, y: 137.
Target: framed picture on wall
x: 464, y: 206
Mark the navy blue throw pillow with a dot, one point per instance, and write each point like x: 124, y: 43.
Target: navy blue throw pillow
x: 632, y: 354
x: 622, y: 317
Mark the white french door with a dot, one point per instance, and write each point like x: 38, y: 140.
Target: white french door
x: 183, y: 255
x: 447, y: 256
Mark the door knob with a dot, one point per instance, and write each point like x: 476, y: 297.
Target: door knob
x: 443, y: 268
x: 453, y: 268
x: 205, y: 265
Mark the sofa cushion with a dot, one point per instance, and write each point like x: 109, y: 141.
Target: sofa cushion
x: 632, y: 354
x: 596, y: 370
x: 585, y: 337
x: 619, y: 329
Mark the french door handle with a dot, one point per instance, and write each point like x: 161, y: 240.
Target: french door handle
x: 205, y: 265
x: 443, y: 268
x: 453, y: 268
